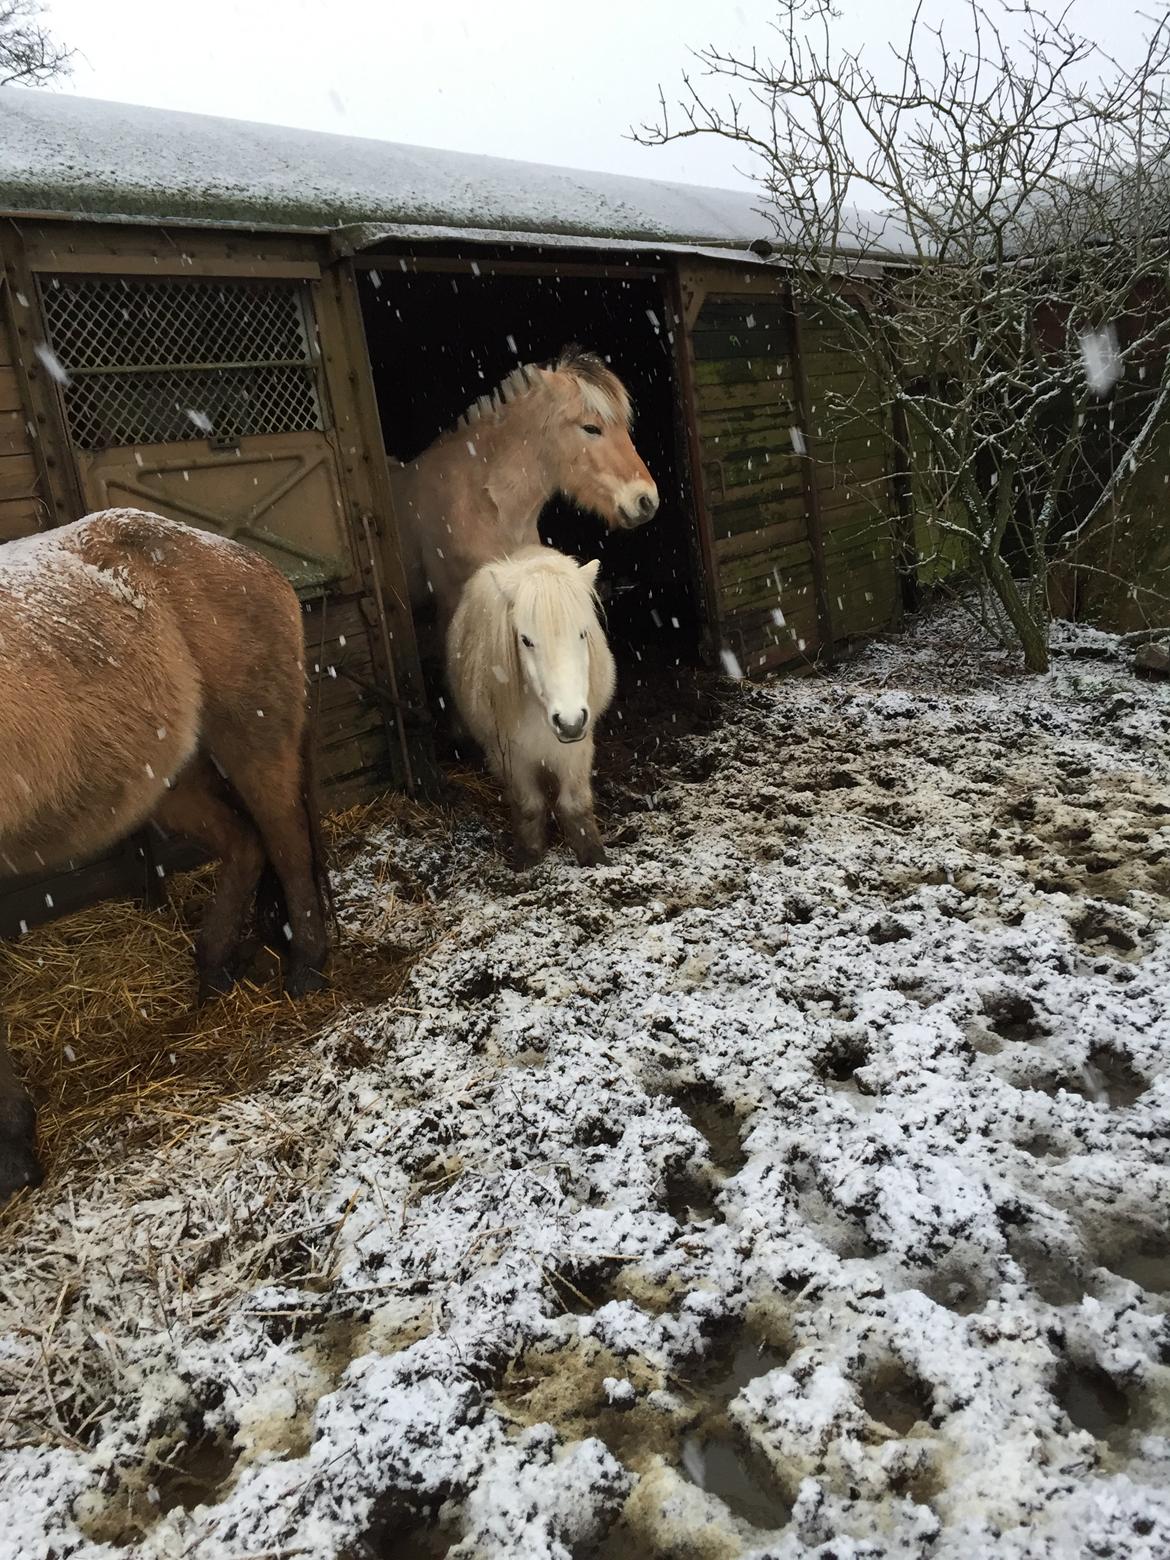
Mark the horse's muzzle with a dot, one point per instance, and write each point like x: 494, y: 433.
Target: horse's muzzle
x: 571, y: 730
x: 634, y: 515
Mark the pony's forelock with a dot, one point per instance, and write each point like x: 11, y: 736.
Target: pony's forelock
x: 602, y: 392
x: 556, y: 597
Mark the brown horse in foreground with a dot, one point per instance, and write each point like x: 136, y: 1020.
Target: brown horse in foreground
x: 477, y: 493
x: 149, y: 671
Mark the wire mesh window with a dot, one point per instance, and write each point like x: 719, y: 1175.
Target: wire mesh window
x: 155, y: 362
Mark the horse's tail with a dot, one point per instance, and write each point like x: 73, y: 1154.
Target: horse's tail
x: 271, y: 905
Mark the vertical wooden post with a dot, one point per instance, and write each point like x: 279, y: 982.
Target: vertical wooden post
x: 60, y: 483
x: 902, y: 487
x: 363, y: 459
x: 684, y: 360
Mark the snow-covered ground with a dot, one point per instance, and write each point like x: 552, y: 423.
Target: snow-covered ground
x: 797, y: 1184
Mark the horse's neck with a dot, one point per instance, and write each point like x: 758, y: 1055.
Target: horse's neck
x: 495, y: 464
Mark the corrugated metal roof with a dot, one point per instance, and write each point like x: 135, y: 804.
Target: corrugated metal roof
x: 69, y: 155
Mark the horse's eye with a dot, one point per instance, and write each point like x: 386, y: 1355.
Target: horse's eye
x: 592, y: 429
x: 526, y: 642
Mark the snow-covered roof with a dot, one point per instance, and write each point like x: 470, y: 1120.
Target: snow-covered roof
x: 73, y: 155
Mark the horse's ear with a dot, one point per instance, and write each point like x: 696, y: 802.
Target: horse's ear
x: 589, y: 570
x: 499, y: 580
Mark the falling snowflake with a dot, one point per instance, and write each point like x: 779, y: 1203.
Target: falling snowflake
x: 731, y: 664
x: 200, y: 419
x: 1101, y: 355
x: 52, y: 363
x: 798, y: 443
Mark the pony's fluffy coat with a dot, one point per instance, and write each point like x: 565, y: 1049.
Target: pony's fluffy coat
x: 487, y: 682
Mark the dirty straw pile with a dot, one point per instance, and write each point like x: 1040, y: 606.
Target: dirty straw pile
x: 795, y: 1185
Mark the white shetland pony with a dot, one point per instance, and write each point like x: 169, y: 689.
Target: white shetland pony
x: 477, y: 493
x: 531, y: 672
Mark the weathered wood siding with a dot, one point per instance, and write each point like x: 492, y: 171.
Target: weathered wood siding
x: 752, y: 478
x: 795, y: 465
x: 850, y: 448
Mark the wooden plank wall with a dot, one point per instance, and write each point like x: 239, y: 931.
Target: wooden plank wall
x: 753, y: 479
x: 849, y: 443
x: 796, y: 468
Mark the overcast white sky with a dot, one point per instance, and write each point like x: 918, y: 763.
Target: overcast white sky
x: 554, y: 81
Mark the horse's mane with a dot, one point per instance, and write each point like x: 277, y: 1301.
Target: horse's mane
x: 601, y: 390
x: 552, y: 588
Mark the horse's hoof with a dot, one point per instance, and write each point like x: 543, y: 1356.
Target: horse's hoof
x: 524, y: 861
x: 301, y: 980
x: 19, y: 1165
x: 216, y: 982
x: 593, y: 858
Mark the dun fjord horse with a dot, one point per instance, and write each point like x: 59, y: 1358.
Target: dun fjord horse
x: 477, y: 492
x: 153, y: 672
x: 531, y: 672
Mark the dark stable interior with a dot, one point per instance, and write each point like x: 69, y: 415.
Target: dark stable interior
x: 437, y: 341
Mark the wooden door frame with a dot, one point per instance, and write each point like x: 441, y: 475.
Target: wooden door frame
x: 666, y: 273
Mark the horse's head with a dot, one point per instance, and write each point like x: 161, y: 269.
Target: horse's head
x: 552, y: 616
x: 593, y: 458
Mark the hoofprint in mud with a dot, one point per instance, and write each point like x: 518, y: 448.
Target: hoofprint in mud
x: 796, y: 1184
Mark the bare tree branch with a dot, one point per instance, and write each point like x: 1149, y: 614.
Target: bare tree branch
x: 1014, y: 192
x: 29, y: 54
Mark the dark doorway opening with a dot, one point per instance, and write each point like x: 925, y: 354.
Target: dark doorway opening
x: 439, y: 339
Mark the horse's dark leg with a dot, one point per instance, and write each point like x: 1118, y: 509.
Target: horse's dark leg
x: 19, y: 1165
x: 529, y: 805
x: 274, y: 794
x: 574, y: 808
x: 197, y: 808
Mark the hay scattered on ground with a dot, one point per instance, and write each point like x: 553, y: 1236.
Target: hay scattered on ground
x: 101, y: 1009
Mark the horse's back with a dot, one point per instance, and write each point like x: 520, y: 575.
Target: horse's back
x: 239, y: 617
x: 99, y: 698
x: 126, y: 641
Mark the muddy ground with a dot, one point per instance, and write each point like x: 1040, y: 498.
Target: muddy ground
x: 794, y: 1185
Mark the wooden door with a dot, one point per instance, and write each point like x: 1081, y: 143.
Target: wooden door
x: 782, y: 474
x: 202, y: 399
x: 753, y: 481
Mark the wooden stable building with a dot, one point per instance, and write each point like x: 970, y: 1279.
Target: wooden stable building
x: 232, y: 324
